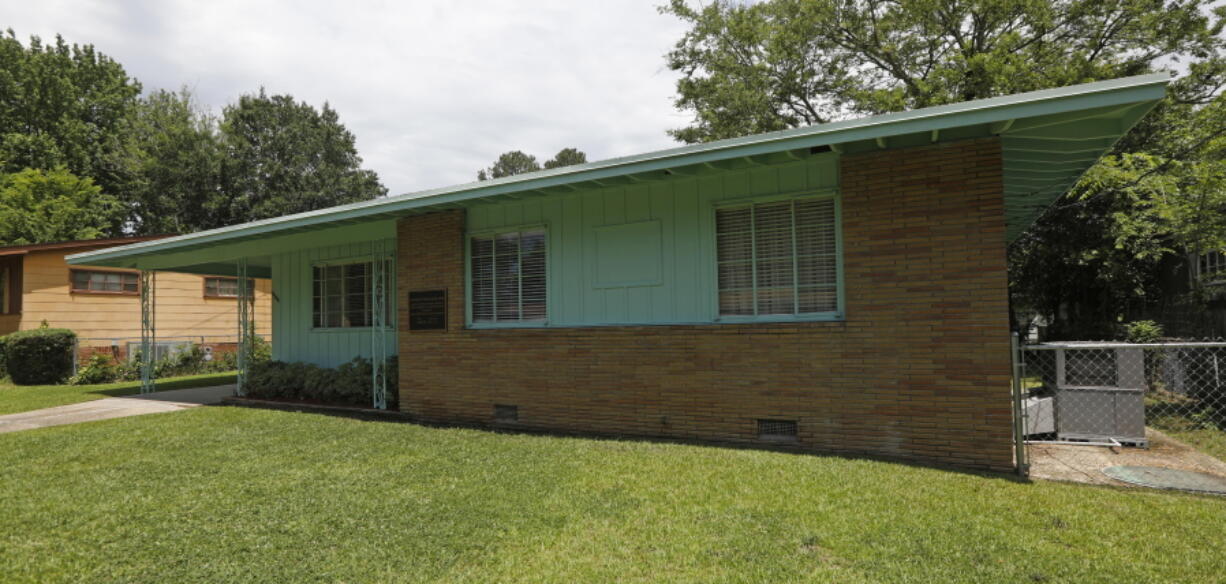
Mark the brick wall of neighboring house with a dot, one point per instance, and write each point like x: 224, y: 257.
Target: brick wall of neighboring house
x: 919, y: 370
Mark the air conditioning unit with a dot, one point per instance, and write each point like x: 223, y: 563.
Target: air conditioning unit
x: 1100, y: 394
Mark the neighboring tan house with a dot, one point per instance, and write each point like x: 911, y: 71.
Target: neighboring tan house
x: 839, y: 287
x: 102, y: 305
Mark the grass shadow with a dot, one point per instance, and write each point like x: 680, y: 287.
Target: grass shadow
x: 397, y: 417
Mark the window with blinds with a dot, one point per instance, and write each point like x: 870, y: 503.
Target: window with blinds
x: 777, y: 258
x: 508, y: 277
x: 341, y: 296
x: 100, y: 282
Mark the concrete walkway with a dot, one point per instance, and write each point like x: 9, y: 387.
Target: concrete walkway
x: 116, y: 407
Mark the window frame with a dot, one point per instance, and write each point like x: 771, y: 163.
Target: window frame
x: 204, y: 285
x: 389, y: 293
x: 1215, y: 260
x: 837, y: 315
x: 468, y: 277
x: 72, y: 286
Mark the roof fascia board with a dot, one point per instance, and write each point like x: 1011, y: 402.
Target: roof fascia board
x: 987, y: 111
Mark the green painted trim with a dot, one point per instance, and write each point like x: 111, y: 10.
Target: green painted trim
x: 808, y: 317
x: 1103, y: 94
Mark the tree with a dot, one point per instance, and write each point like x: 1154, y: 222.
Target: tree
x: 40, y: 206
x: 509, y: 163
x: 65, y: 105
x: 178, y: 154
x: 758, y: 67
x: 779, y: 64
x: 566, y: 157
x: 517, y: 162
x: 282, y: 156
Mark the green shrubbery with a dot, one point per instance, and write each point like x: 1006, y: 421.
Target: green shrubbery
x: 104, y: 369
x: 1142, y: 331
x: 40, y: 356
x: 349, y: 384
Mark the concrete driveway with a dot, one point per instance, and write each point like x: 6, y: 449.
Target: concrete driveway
x: 116, y: 407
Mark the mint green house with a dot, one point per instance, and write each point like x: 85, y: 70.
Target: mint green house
x: 838, y: 287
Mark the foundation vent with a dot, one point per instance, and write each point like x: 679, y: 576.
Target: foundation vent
x: 777, y: 430
x: 506, y: 413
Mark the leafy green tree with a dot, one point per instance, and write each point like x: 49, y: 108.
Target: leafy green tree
x: 756, y: 67
x: 67, y: 105
x: 1096, y: 253
x: 566, y: 157
x: 40, y: 206
x: 282, y: 156
x: 178, y: 170
x: 517, y: 162
x: 508, y: 164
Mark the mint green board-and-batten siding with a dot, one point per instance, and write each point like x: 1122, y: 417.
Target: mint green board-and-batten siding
x: 643, y: 253
x: 295, y: 339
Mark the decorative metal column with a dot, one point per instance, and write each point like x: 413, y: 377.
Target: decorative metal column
x: 379, y: 323
x: 148, y: 330
x: 245, y: 327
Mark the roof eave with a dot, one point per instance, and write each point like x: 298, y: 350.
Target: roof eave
x: 995, y: 110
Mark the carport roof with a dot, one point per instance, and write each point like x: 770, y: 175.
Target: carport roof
x: 1049, y: 138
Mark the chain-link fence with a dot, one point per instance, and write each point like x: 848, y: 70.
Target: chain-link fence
x: 1109, y: 393
x: 126, y: 348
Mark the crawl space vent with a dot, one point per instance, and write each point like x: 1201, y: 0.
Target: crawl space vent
x: 506, y: 413
x: 779, y: 430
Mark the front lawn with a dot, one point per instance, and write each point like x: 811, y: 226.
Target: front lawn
x: 23, y: 398
x: 226, y: 494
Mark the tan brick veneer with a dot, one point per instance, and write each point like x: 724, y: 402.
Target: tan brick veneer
x: 919, y: 370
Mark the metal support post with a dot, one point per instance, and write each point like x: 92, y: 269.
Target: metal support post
x: 379, y: 326
x: 244, y: 328
x: 148, y: 331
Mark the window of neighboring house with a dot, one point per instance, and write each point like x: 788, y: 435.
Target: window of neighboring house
x: 778, y: 258
x: 507, y: 278
x: 1211, y: 267
x: 342, y: 295
x: 220, y: 287
x: 99, y: 282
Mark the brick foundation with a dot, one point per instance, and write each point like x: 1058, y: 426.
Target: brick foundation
x: 919, y: 370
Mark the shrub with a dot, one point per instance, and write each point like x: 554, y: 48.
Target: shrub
x: 1142, y: 331
x: 39, y: 356
x: 349, y: 384
x: 100, y: 368
x: 103, y: 369
x: 4, y: 370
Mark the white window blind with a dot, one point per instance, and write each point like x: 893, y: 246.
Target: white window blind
x: 508, y: 277
x: 777, y: 258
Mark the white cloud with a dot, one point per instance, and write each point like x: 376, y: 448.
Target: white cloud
x: 432, y: 90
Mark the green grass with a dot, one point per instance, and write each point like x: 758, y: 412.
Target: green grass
x: 1201, y: 435
x: 225, y: 494
x: 23, y: 398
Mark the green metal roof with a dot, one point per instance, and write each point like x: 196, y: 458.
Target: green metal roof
x: 1049, y: 139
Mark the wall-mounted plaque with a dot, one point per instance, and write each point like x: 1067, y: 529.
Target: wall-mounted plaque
x: 428, y: 310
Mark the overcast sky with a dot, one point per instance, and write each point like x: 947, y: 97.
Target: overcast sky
x: 432, y: 90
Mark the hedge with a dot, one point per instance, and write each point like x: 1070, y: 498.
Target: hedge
x: 348, y: 384
x: 40, y: 356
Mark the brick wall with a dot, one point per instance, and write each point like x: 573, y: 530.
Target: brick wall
x: 919, y: 370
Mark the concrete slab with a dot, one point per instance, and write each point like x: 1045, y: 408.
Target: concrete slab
x: 116, y: 407
x: 1085, y: 464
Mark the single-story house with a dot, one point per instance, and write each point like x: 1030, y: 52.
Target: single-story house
x: 102, y: 305
x: 839, y: 287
